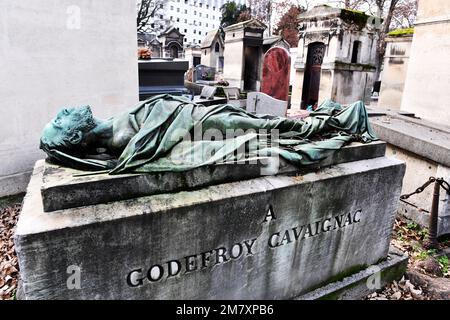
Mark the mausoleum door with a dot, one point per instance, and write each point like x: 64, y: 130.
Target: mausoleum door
x: 311, y: 80
x: 173, y: 52
x: 196, y: 61
x: 251, y: 67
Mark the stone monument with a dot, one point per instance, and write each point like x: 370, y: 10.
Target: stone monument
x: 426, y: 91
x: 261, y: 103
x: 276, y: 73
x: 225, y: 230
x: 243, y: 54
x: 336, y: 56
x: 396, y: 60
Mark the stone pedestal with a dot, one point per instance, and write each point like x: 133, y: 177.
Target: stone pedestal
x: 272, y: 237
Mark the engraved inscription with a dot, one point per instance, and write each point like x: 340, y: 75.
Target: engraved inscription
x: 239, y: 250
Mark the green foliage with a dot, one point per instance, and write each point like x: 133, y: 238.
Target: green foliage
x: 425, y: 254
x: 231, y: 12
x: 412, y: 226
x: 423, y: 233
x: 401, y: 32
x: 287, y: 27
x: 443, y: 263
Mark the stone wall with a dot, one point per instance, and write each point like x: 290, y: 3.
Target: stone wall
x: 56, y: 53
x: 426, y: 89
x: 396, y: 63
x: 233, y: 62
x: 425, y: 147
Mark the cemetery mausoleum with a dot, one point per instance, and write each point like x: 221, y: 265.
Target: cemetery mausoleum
x: 335, y: 56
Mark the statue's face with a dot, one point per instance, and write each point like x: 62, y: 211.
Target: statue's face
x: 68, y: 127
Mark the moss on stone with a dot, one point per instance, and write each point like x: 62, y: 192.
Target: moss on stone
x: 401, y: 32
x: 364, y: 66
x: 355, y: 17
x: 11, y: 200
x: 339, y: 277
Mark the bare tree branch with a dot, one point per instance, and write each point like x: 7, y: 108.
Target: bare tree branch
x: 147, y: 15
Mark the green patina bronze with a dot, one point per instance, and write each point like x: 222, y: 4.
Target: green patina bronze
x: 168, y: 133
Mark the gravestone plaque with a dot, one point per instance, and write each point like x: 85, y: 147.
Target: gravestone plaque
x: 276, y: 73
x: 261, y: 103
x: 273, y: 237
x: 208, y: 92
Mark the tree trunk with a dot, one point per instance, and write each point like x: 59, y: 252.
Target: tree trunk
x: 382, y: 35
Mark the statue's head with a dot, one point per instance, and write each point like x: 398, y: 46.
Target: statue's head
x: 66, y: 131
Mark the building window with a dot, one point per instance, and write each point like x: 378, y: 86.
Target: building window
x: 185, y: 1
x: 201, y: 5
x: 185, y: 40
x: 171, y: 18
x: 185, y: 30
x: 207, y: 6
x: 214, y: 8
x: 207, y: 15
x: 161, y: 16
x: 214, y: 18
x: 199, y: 23
x: 185, y: 20
x: 195, y: 31
x: 217, y: 47
x: 205, y: 52
x: 171, y: 7
x: 161, y: 6
x: 200, y: 33
x: 199, y: 41
x: 178, y: 9
x: 185, y: 11
x: 178, y: 19
x: 161, y: 27
x: 356, y: 49
x: 195, y: 13
x: 207, y: 24
x: 199, y: 14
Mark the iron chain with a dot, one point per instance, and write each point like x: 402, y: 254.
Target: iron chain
x: 444, y: 184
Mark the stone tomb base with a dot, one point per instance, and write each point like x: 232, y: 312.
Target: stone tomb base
x: 273, y: 237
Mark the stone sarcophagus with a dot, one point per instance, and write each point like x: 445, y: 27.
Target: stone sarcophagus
x: 222, y: 232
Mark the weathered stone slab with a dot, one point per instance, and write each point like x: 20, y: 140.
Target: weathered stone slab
x: 361, y: 284
x: 261, y: 103
x: 430, y: 141
x: 61, y: 189
x: 208, y: 92
x: 274, y: 237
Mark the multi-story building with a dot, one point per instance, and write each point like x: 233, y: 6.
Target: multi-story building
x: 193, y: 18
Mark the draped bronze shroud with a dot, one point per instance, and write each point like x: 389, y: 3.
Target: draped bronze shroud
x: 157, y: 147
